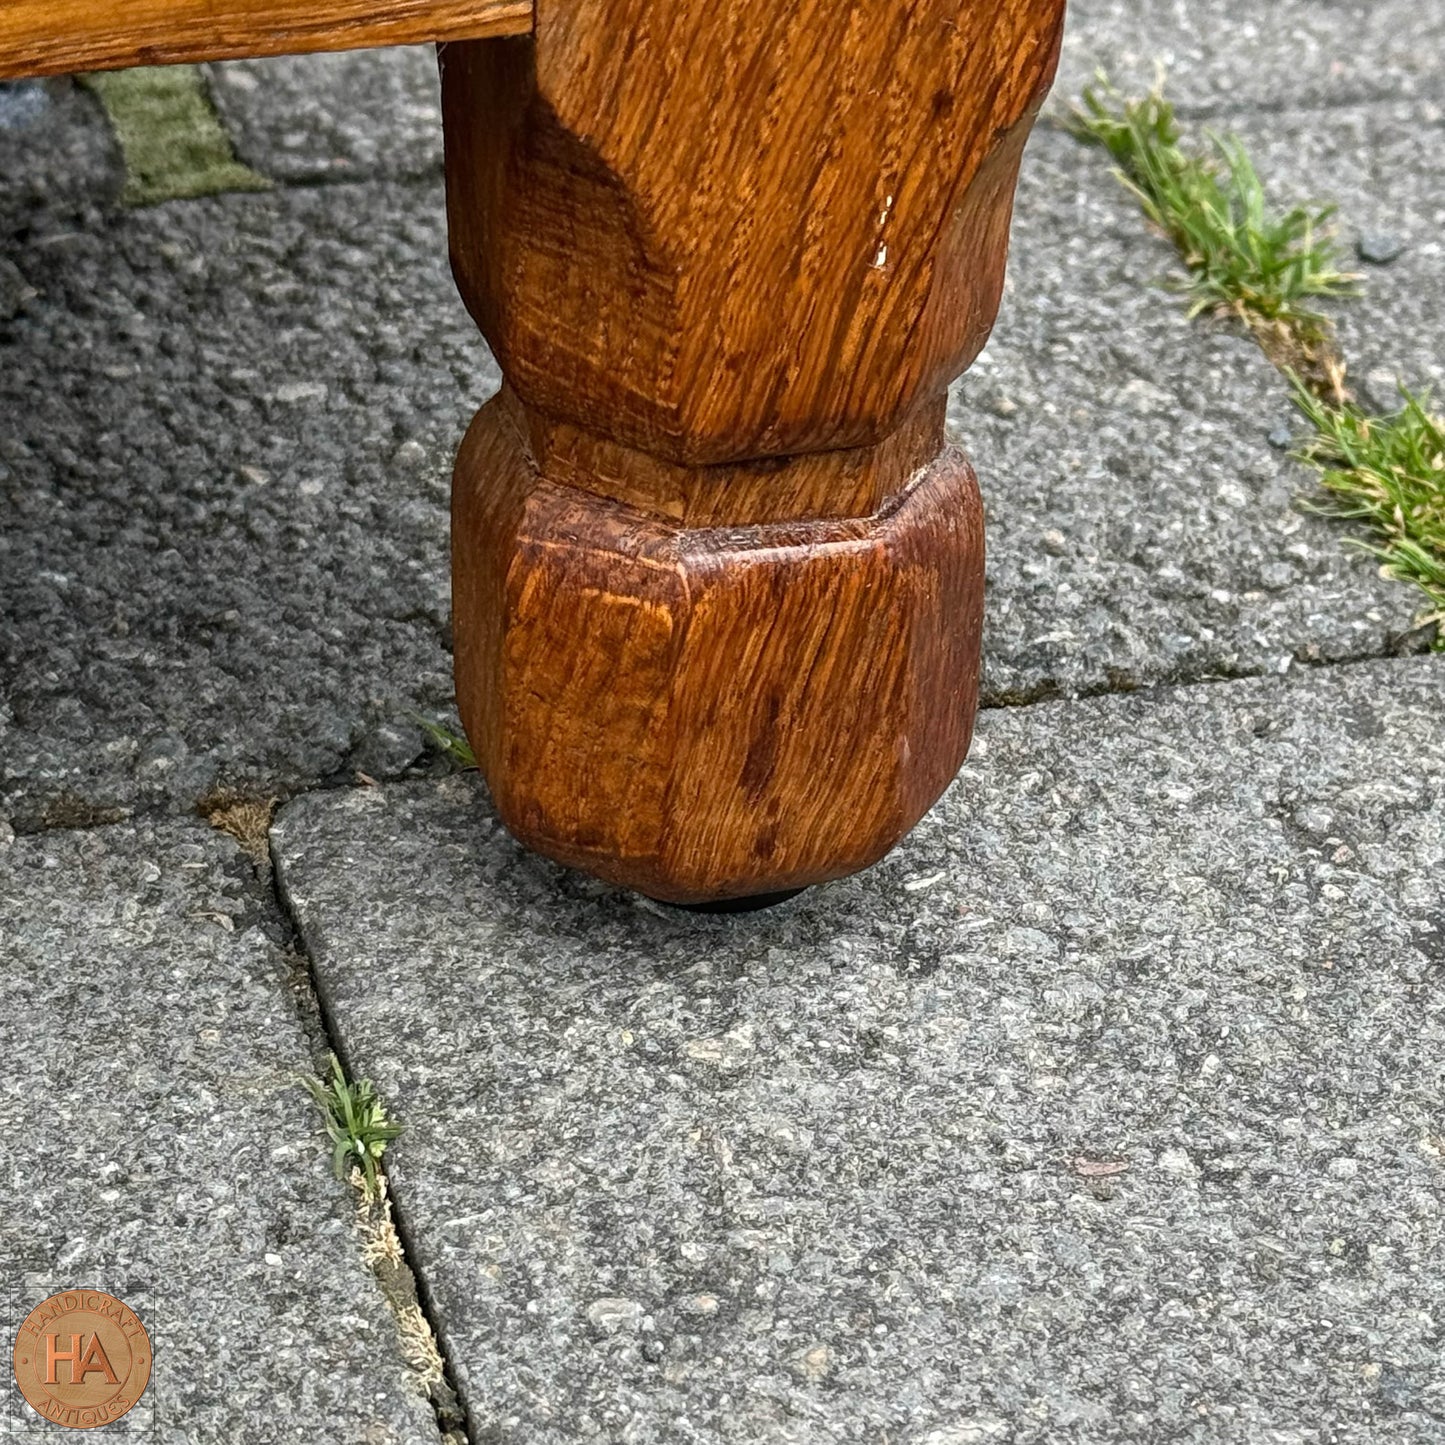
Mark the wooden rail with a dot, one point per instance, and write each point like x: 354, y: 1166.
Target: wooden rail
x: 50, y: 37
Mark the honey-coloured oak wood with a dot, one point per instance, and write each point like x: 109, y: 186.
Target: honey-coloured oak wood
x: 52, y: 37
x: 717, y: 582
x: 716, y: 711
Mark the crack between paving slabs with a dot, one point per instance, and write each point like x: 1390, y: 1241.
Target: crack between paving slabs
x: 1046, y: 692
x: 389, y: 1261
x: 106, y: 816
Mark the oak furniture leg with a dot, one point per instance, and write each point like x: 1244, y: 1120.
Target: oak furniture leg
x: 717, y: 581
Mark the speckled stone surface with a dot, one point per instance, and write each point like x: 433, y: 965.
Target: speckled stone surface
x: 230, y: 425
x: 1227, y: 56
x: 59, y: 164
x: 343, y: 116
x: 1108, y: 1108
x: 224, y: 469
x: 1142, y: 528
x: 158, y: 1145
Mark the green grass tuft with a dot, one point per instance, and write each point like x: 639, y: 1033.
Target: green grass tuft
x: 450, y: 744
x: 1387, y: 471
x: 1244, y: 259
x: 1269, y: 269
x: 356, y: 1123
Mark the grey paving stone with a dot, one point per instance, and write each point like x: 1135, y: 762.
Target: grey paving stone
x: 22, y: 103
x: 158, y: 1145
x: 1142, y: 528
x: 1220, y: 54
x: 229, y: 427
x: 1399, y: 325
x: 1108, y: 1108
x: 334, y: 117
x: 59, y: 163
x: 225, y: 467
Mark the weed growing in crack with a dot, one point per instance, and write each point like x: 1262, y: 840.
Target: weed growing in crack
x: 1267, y: 269
x: 1389, y: 472
x: 356, y: 1123
x: 359, y: 1130
x: 1245, y: 260
x: 449, y: 744
x: 383, y: 1255
x: 246, y: 818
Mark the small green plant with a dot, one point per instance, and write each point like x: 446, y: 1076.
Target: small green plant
x: 1268, y: 269
x: 450, y: 744
x: 356, y: 1123
x: 1244, y: 260
x: 1389, y: 472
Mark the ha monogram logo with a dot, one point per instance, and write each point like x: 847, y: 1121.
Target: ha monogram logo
x: 82, y: 1359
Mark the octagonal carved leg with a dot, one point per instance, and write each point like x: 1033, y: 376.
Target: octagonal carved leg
x: 717, y: 580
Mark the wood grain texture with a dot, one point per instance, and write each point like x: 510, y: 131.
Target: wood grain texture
x: 737, y: 229
x: 812, y: 486
x: 717, y: 584
x: 51, y: 37
x: 717, y: 711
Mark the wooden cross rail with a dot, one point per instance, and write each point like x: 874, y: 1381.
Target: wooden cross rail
x: 54, y: 37
x: 717, y: 579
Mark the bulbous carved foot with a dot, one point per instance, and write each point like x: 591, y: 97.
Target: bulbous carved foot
x: 713, y: 711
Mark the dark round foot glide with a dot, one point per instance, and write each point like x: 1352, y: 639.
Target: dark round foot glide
x: 753, y: 903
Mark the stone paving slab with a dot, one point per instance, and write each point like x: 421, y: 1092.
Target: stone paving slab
x: 355, y: 114
x: 60, y: 167
x: 1108, y: 1108
x: 158, y: 1145
x: 225, y: 466
x: 1142, y: 526
x: 1232, y: 56
x: 230, y: 429
x: 1397, y: 328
